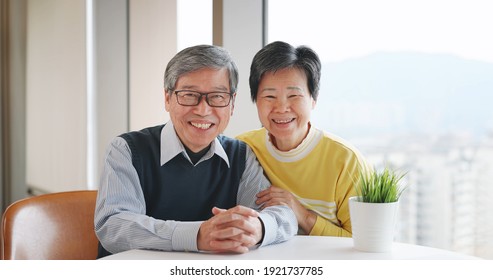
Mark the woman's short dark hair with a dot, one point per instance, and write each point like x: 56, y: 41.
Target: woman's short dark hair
x: 280, y: 55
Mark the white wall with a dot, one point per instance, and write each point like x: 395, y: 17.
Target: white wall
x: 153, y: 43
x: 128, y: 79
x: 110, y: 69
x: 55, y: 92
x: 242, y: 36
x: 17, y: 97
x: 129, y: 62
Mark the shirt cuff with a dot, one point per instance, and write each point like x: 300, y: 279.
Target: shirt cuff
x: 270, y: 228
x: 184, y: 236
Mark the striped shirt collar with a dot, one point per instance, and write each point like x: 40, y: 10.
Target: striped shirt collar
x: 171, y: 146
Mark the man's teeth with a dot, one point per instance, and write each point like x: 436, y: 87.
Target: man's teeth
x: 283, y: 121
x: 202, y: 125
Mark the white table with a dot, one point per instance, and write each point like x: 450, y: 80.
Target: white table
x: 304, y: 248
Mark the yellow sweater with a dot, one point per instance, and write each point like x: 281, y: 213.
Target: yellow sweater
x: 321, y: 172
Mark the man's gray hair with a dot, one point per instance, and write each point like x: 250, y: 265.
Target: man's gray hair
x: 199, y: 57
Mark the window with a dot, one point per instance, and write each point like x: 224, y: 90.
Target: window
x: 194, y: 21
x: 409, y: 83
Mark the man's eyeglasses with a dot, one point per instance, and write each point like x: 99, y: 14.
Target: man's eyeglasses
x: 193, y: 98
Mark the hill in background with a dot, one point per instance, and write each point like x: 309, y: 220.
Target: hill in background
x: 402, y: 93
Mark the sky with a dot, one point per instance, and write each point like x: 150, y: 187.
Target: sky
x: 339, y: 30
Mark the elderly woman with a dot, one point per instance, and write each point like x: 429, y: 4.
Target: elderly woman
x: 311, y: 171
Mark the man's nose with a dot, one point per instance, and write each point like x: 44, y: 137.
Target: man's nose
x: 202, y: 108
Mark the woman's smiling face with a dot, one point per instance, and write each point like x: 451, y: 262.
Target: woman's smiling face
x: 284, y: 106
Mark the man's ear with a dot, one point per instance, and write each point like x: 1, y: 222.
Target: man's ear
x: 233, y: 103
x: 166, y: 100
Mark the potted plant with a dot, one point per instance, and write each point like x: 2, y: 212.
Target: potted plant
x: 375, y: 209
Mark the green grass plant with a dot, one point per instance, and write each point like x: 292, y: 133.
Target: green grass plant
x: 380, y: 186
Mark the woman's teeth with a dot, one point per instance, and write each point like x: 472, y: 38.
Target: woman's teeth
x: 283, y: 121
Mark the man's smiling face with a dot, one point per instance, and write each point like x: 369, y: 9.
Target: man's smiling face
x: 197, y: 126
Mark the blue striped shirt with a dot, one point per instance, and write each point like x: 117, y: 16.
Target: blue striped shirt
x: 121, y: 222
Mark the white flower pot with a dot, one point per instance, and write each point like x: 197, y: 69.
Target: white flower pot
x: 373, y: 225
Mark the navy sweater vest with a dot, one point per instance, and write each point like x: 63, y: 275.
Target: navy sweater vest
x: 178, y: 190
